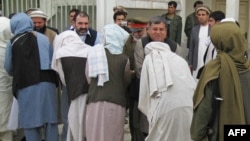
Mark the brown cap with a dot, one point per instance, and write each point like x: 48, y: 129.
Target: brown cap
x: 137, y: 22
x: 203, y: 7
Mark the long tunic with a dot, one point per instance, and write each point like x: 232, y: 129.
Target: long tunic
x: 5, y: 79
x: 166, y: 92
x: 38, y: 102
x: 203, y: 114
x: 224, y: 80
x: 202, y: 48
x: 106, y: 105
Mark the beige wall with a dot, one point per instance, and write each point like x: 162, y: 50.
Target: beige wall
x: 146, y: 13
x: 150, y: 8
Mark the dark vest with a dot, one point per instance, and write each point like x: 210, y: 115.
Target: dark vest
x: 26, y: 63
x: 74, y: 74
x: 171, y: 43
x: 113, y: 91
x: 90, y: 39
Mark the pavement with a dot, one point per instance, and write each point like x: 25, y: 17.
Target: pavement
x: 127, y: 136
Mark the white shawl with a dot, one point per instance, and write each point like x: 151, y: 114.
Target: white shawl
x: 98, y: 64
x: 165, y: 76
x: 6, y: 95
x: 155, y: 69
x: 114, y: 38
x: 66, y: 44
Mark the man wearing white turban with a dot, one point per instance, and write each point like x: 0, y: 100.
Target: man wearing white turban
x: 166, y: 92
x: 106, y: 96
x: 27, y: 59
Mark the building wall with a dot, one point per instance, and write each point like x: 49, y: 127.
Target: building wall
x: 101, y: 11
x: 150, y: 8
x: 57, y: 10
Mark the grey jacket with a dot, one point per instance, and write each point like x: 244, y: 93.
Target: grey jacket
x: 175, y: 28
x: 193, y: 46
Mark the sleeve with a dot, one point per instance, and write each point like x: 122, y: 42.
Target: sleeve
x: 179, y: 32
x: 191, y: 49
x: 202, y: 114
x: 188, y: 26
x: 125, y: 49
x: 8, y: 59
x: 144, y: 96
x: 98, y: 39
x: 127, y: 73
x: 139, y: 58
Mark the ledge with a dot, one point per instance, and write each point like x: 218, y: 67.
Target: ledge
x: 145, y: 4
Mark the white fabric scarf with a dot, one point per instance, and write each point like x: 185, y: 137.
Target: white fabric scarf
x: 114, y: 38
x: 66, y: 44
x: 156, y: 53
x: 98, y: 64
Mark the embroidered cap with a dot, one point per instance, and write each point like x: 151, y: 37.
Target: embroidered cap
x: 203, y: 7
x: 38, y: 13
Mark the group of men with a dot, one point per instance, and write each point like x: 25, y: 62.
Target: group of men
x: 34, y: 82
x: 159, y: 83
x: 38, y: 72
x: 132, y: 65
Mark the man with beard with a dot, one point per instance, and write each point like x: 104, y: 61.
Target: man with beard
x: 90, y: 37
x: 28, y: 59
x: 137, y: 26
x: 81, y: 24
x: 34, y: 9
x: 39, y: 19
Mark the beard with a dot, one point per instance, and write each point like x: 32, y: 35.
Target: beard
x: 41, y: 30
x: 81, y: 31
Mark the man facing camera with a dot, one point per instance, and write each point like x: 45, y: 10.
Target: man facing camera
x: 137, y: 26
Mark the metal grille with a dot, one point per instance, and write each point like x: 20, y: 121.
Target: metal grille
x: 57, y: 10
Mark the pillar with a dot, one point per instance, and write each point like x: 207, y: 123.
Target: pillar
x: 232, y: 9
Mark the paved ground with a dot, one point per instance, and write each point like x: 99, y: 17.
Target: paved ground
x: 127, y: 136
